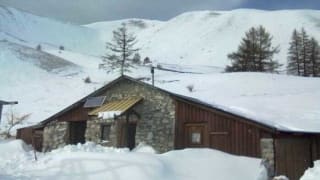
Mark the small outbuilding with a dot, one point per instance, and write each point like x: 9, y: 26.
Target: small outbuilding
x: 127, y: 111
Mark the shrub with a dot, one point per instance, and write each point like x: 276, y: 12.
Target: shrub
x: 87, y: 80
x: 39, y: 48
x: 190, y: 88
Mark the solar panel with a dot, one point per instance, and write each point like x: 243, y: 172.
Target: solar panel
x: 94, y: 102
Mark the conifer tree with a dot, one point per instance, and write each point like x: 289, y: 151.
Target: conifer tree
x: 255, y: 53
x: 294, y: 58
x: 121, y: 51
x: 305, y: 48
x: 314, y: 58
x: 303, y: 55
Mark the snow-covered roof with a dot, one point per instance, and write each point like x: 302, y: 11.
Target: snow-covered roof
x: 286, y: 103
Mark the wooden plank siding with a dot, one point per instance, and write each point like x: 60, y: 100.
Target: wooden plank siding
x: 224, y: 132
x: 294, y: 155
x: 31, y: 136
x: 25, y: 134
x: 78, y: 113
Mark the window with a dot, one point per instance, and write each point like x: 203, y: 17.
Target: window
x: 105, y: 132
x: 195, y: 138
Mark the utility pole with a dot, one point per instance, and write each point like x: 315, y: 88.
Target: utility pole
x: 2, y: 103
x: 152, y: 73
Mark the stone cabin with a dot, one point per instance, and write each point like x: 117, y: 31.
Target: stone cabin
x: 127, y: 112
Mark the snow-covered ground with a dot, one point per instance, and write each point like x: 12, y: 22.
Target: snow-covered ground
x: 90, y: 161
x: 312, y: 173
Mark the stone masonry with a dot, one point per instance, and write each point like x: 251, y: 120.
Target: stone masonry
x: 54, y: 135
x: 93, y: 132
x: 267, y: 154
x: 155, y: 126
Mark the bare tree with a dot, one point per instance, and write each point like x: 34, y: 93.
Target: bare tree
x: 122, y: 49
x: 14, y: 119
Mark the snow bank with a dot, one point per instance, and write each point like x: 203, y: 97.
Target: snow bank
x: 143, y: 148
x: 9, y: 148
x: 312, y: 173
x: 212, y: 164
x: 91, y: 161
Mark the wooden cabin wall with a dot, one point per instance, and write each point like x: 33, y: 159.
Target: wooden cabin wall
x: 31, y: 136
x: 295, y: 153
x: 220, y: 131
x: 25, y: 134
x: 79, y: 113
x: 316, y: 147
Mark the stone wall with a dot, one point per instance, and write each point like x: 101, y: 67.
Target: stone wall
x: 54, y: 135
x: 155, y: 126
x: 93, y: 132
x: 267, y: 154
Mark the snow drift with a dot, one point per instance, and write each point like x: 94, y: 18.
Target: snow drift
x: 312, y: 173
x: 90, y: 161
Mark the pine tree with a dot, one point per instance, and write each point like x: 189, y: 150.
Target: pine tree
x: 294, y: 59
x: 255, y: 53
x: 303, y: 55
x: 122, y: 49
x: 265, y: 52
x: 314, y: 58
x: 304, y: 51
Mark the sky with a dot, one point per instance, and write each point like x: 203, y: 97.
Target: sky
x: 88, y: 11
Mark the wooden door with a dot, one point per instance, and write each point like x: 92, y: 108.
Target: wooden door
x: 128, y: 135
x: 37, y: 140
x: 293, y: 156
x: 195, y: 135
x: 220, y: 141
x: 77, y: 132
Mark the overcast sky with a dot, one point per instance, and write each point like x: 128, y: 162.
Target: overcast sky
x: 86, y: 11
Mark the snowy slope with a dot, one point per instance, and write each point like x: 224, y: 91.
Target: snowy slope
x: 26, y: 28
x: 90, y: 161
x: 206, y: 37
x: 39, y: 81
x: 201, y: 37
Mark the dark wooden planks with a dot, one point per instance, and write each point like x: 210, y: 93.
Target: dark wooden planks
x: 224, y: 132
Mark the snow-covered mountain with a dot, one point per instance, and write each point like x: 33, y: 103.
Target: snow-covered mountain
x: 201, y: 37
x: 206, y: 37
x: 47, y: 80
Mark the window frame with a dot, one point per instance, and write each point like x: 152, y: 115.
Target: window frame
x: 102, y: 130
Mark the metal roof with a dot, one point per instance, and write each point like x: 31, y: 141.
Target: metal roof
x: 120, y: 105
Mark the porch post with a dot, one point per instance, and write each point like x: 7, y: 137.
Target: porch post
x: 127, y: 126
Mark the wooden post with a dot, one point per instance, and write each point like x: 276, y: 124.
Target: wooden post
x: 127, y: 126
x: 152, y: 73
x: 33, y: 146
